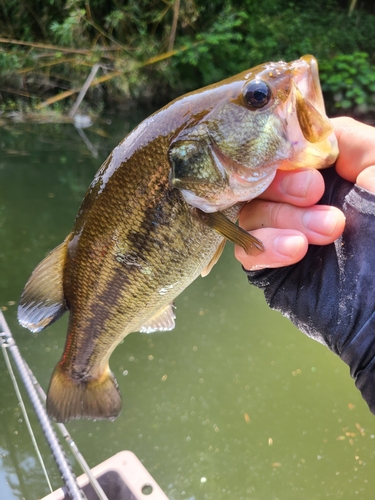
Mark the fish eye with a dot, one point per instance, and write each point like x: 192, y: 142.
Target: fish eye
x: 257, y: 94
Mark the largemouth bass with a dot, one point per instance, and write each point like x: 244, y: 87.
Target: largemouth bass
x: 158, y: 213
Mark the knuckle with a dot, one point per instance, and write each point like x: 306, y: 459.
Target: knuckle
x: 277, y: 215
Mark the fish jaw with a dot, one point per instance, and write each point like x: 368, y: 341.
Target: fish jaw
x: 310, y: 132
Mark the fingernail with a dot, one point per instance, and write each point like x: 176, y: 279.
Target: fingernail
x: 288, y: 245
x: 297, y: 183
x: 321, y: 220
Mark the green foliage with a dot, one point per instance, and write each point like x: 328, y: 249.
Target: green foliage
x: 70, y: 29
x: 201, y: 53
x: 213, y: 40
x: 349, y: 81
x: 9, y: 61
x: 274, y: 30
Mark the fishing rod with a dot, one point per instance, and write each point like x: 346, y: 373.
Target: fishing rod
x: 31, y: 385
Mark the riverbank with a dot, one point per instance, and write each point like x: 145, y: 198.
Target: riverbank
x: 123, y: 57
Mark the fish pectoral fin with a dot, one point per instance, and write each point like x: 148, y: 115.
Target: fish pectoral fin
x: 94, y: 399
x: 161, y: 322
x: 42, y: 301
x: 214, y: 259
x: 228, y: 229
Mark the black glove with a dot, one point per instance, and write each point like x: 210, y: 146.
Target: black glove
x: 329, y: 295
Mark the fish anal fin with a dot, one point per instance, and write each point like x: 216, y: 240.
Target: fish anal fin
x: 214, y: 259
x: 94, y: 399
x: 220, y: 223
x: 42, y: 301
x: 162, y: 321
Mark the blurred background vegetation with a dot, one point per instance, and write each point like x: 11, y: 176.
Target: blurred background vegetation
x: 145, y: 52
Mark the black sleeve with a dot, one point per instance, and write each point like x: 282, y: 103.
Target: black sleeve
x: 329, y: 295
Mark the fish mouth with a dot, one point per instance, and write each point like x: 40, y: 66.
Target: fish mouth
x: 306, y: 75
x: 310, y: 108
x: 312, y: 134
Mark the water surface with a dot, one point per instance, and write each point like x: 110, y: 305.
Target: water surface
x: 234, y: 403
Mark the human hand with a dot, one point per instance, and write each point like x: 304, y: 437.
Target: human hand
x: 286, y: 218
x: 328, y: 293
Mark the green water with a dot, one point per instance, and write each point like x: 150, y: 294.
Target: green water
x: 234, y: 403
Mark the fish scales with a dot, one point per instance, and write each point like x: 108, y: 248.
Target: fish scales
x: 158, y: 213
x: 115, y: 297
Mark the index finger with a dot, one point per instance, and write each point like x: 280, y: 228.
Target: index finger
x: 356, y: 145
x: 301, y: 187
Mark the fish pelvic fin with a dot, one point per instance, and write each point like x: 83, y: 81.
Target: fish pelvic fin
x: 42, y: 301
x: 94, y: 399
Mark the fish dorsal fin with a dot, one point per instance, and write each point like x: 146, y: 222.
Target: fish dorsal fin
x: 228, y: 229
x: 42, y: 301
x: 160, y: 322
x: 214, y: 259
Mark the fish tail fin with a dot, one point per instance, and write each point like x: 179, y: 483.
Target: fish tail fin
x: 42, y: 301
x: 95, y: 399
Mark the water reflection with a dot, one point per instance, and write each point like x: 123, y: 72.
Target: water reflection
x: 234, y: 403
